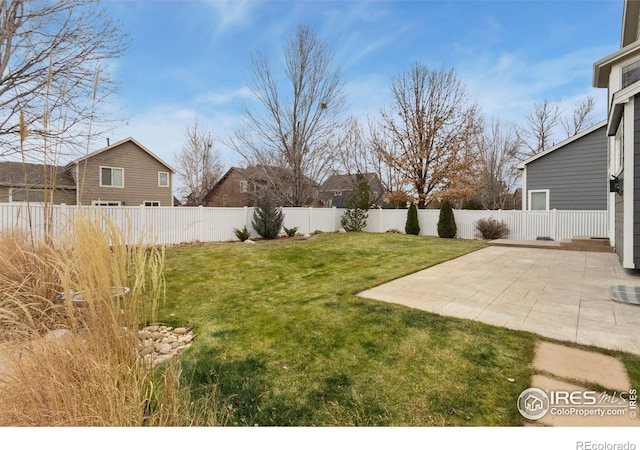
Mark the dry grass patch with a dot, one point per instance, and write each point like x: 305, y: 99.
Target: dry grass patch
x: 75, y: 359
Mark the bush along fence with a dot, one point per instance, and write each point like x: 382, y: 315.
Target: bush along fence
x: 175, y: 225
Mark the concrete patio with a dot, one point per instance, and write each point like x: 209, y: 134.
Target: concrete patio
x: 553, y: 293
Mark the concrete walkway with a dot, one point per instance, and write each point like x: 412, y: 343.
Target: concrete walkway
x: 556, y: 294
x: 568, y: 369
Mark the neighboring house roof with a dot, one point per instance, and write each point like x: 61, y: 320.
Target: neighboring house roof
x: 257, y: 174
x: 109, y: 147
x: 12, y: 173
x: 590, y: 130
x: 346, y: 182
x: 263, y: 172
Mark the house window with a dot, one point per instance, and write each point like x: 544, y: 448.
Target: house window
x: 243, y: 186
x: 111, y: 177
x: 630, y: 74
x: 151, y: 203
x: 31, y: 195
x: 163, y: 179
x: 617, y: 159
x: 101, y: 203
x: 539, y: 200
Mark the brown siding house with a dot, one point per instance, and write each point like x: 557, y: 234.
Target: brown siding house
x: 122, y: 174
x: 240, y: 186
x: 232, y: 190
x: 125, y: 173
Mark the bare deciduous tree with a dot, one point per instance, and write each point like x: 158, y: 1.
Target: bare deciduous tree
x: 198, y: 164
x: 358, y: 152
x: 580, y: 118
x: 54, y: 68
x: 536, y: 133
x: 496, y: 172
x: 298, y: 128
x: 431, y: 126
x: 394, y: 181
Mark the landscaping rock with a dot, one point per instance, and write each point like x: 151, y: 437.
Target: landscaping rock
x: 159, y: 343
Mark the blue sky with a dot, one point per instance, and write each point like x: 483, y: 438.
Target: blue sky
x: 190, y: 59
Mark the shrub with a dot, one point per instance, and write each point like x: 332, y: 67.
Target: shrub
x: 358, y: 204
x: 243, y: 234
x: 291, y: 232
x: 413, y: 225
x: 447, y: 223
x: 267, y: 217
x: 354, y: 219
x: 492, y: 229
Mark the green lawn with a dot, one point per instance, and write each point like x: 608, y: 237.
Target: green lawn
x: 284, y: 340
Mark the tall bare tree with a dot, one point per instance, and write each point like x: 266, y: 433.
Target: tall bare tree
x: 431, y: 126
x: 394, y: 182
x: 536, y: 133
x: 198, y: 164
x: 54, y: 68
x: 580, y: 118
x: 496, y: 172
x: 298, y: 125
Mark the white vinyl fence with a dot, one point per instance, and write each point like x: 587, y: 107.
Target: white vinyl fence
x: 174, y: 225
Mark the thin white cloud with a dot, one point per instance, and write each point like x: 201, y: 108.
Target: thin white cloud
x: 232, y: 14
x: 221, y: 98
x: 508, y: 84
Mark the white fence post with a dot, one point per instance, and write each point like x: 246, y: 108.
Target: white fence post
x: 553, y: 226
x: 201, y: 222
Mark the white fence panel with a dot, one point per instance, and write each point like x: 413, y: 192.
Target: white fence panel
x: 169, y: 225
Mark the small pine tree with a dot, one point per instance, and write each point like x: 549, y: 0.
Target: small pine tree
x: 447, y: 223
x: 358, y: 205
x: 267, y: 217
x: 413, y: 225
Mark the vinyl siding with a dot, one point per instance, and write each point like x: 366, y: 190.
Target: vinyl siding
x: 636, y: 181
x: 576, y: 174
x: 140, y: 177
x: 619, y: 219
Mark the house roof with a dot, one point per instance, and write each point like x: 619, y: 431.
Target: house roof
x: 629, y: 22
x: 12, y: 173
x: 590, y: 130
x: 345, y: 182
x: 109, y: 147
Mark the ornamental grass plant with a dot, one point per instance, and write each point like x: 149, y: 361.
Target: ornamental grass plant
x: 69, y: 346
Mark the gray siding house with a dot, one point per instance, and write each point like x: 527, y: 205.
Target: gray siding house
x: 338, y: 187
x: 619, y: 72
x: 571, y: 175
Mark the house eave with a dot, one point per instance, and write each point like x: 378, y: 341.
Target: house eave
x: 602, y: 68
x: 630, y: 13
x: 618, y: 101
